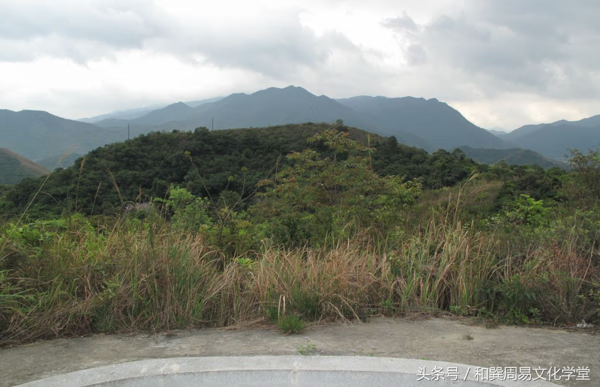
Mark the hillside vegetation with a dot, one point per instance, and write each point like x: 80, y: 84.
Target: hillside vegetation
x: 209, y: 162
x: 293, y: 224
x: 14, y: 168
x: 512, y: 156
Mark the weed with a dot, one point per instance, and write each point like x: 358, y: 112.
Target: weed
x: 308, y: 348
x: 290, y: 324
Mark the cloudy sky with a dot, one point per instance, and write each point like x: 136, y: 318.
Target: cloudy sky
x: 502, y: 63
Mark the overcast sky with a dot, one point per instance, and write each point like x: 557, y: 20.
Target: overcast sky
x: 502, y: 63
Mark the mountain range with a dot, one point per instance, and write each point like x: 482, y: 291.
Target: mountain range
x: 428, y: 124
x: 135, y: 113
x: 430, y: 120
x: 555, y: 139
x: 424, y: 123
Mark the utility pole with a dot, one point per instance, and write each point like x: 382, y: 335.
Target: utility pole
x: 213, y: 124
x: 128, y: 131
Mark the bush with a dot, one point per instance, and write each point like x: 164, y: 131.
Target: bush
x: 290, y: 324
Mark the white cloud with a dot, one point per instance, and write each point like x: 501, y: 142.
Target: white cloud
x: 502, y: 63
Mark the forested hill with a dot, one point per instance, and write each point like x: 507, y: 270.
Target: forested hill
x: 14, y: 167
x: 513, y: 156
x: 207, y: 163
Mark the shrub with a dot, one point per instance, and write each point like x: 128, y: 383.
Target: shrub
x: 290, y: 324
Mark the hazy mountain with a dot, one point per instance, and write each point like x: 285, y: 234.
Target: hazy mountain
x: 555, y: 140
x: 438, y: 123
x: 136, y: 113
x: 59, y: 161
x: 38, y: 134
x: 497, y: 132
x: 289, y: 105
x: 175, y: 112
x: 275, y: 106
x: 523, y: 130
x: 590, y: 122
x: 122, y: 114
x: 14, y: 167
x: 203, y: 101
x: 513, y: 156
x: 113, y: 122
x: 427, y: 124
x: 268, y: 107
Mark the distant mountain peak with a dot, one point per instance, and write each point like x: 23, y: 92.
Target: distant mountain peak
x: 292, y: 87
x: 296, y: 90
x: 435, y: 121
x: 178, y: 104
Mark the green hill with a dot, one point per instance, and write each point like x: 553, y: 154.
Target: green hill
x: 38, y: 134
x: 210, y: 162
x: 14, y: 167
x: 513, y: 156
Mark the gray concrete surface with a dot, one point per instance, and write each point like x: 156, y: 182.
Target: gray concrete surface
x: 281, y: 371
x: 436, y: 339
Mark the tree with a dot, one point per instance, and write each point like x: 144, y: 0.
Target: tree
x: 587, y: 169
x: 317, y: 196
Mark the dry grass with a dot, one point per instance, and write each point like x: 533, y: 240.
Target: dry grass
x: 74, y: 279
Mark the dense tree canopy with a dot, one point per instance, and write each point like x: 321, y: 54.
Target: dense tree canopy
x: 209, y: 162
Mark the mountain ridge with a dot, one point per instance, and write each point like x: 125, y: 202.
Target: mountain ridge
x: 425, y: 123
x: 14, y: 167
x: 413, y: 121
x: 37, y: 134
x: 426, y: 118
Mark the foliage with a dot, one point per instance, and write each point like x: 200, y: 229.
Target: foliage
x: 587, y: 177
x: 189, y: 212
x: 290, y: 324
x: 329, y: 236
x: 319, y: 197
x: 208, y: 163
x: 14, y: 167
x: 526, y: 211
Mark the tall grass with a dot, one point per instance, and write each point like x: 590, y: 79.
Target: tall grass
x: 70, y: 277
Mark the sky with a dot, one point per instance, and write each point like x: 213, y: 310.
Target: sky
x: 501, y: 63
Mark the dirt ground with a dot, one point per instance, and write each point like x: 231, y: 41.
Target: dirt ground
x: 444, y: 339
